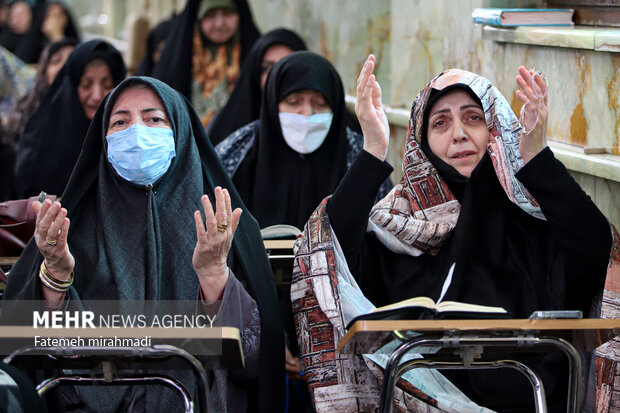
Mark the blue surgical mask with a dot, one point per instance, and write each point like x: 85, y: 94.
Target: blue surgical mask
x: 305, y: 134
x: 141, y: 154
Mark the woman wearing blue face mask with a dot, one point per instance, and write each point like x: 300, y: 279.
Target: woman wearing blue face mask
x: 135, y: 203
x: 286, y: 162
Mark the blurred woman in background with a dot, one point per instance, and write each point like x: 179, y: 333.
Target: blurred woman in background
x: 53, y: 136
x: 204, y: 52
x: 243, y: 106
x: 52, y: 23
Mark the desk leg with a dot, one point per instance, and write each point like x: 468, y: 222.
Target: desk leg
x: 175, y: 385
x: 389, y: 376
x: 574, y: 369
x: 392, y: 368
x: 539, y: 390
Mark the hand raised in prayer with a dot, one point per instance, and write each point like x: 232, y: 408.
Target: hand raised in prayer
x: 533, y: 93
x: 50, y: 234
x: 212, y: 246
x: 370, y: 113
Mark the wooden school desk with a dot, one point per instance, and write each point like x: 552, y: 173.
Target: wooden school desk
x: 470, y: 344
x: 218, y: 348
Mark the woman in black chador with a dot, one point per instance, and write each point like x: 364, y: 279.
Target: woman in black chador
x: 243, y: 106
x: 484, y: 214
x: 145, y: 173
x: 52, y: 138
x: 204, y: 51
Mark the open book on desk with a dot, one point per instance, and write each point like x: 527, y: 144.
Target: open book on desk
x: 420, y: 308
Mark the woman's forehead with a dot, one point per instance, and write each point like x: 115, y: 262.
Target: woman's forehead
x: 457, y: 97
x: 137, y: 97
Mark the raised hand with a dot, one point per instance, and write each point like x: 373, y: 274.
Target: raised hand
x: 50, y: 235
x: 214, y: 242
x: 533, y: 93
x: 370, y: 113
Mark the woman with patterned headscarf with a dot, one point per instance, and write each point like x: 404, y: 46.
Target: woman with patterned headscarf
x: 204, y: 51
x: 482, y: 199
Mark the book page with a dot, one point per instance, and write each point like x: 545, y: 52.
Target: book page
x: 457, y: 306
x: 410, y: 302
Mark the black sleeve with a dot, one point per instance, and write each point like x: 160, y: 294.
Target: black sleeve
x: 350, y: 205
x: 580, y: 229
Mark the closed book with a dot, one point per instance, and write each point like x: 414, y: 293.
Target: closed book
x: 424, y: 308
x: 523, y: 17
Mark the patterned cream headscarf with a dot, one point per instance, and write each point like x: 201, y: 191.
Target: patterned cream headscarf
x: 419, y: 213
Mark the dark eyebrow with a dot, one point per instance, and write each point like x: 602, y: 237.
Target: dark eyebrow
x: 439, y: 111
x: 151, y: 110
x: 470, y: 105
x: 120, y: 112
x: 126, y: 112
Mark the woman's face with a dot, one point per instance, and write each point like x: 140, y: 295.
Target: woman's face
x: 272, y: 55
x: 20, y: 17
x: 304, y: 102
x: 55, y: 21
x: 57, y: 61
x: 457, y: 131
x: 219, y: 25
x: 137, y: 106
x: 96, y: 82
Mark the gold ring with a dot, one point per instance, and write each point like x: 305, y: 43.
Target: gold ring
x: 222, y: 227
x: 51, y: 241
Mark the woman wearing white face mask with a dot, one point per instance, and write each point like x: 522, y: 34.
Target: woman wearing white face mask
x: 286, y: 162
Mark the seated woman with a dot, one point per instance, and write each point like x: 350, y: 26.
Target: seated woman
x: 51, y: 61
x: 471, y: 197
x: 53, y: 136
x: 243, y: 106
x: 286, y: 162
x: 52, y: 23
x: 132, y: 237
x: 155, y: 43
x: 204, y: 52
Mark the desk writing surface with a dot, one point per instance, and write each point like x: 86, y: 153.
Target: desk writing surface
x: 588, y: 333
x: 8, y: 260
x: 230, y: 338
x: 279, y: 244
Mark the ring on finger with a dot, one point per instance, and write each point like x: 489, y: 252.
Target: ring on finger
x: 51, y: 242
x: 222, y: 227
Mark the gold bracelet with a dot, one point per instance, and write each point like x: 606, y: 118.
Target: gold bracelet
x: 49, y: 285
x: 63, y: 285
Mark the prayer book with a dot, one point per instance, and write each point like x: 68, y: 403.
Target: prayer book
x: 423, y: 308
x: 523, y: 17
x: 280, y: 231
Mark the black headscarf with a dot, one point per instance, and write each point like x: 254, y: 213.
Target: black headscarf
x: 243, y: 106
x: 53, y: 136
x: 279, y: 185
x: 11, y: 40
x: 119, y: 228
x: 156, y: 36
x: 30, y: 47
x: 175, y: 64
x: 24, y: 109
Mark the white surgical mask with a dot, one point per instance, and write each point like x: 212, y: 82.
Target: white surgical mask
x: 141, y: 154
x: 305, y: 134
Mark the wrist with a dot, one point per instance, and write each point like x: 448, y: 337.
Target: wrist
x: 213, y: 272
x: 58, y: 272
x: 378, y: 151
